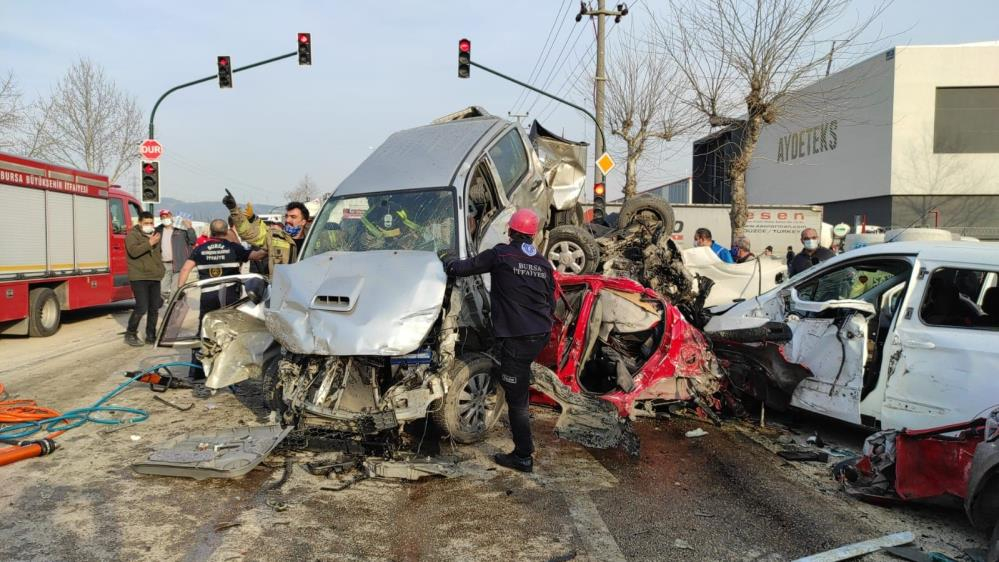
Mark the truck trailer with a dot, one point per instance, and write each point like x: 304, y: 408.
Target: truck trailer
x: 63, y: 245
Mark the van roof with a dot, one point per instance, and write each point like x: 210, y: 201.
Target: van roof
x: 944, y: 250
x: 428, y: 156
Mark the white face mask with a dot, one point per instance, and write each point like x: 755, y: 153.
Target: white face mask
x: 148, y: 229
x: 811, y: 244
x: 167, y: 222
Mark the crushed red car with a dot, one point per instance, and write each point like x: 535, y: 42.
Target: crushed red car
x: 954, y: 465
x: 620, y: 350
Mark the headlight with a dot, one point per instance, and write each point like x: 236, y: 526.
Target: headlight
x: 992, y: 425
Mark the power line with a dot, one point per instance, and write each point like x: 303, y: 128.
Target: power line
x: 559, y: 17
x: 551, y: 74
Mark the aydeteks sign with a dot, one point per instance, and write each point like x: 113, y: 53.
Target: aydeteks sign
x: 807, y: 142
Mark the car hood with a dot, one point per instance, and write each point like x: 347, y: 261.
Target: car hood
x: 356, y: 303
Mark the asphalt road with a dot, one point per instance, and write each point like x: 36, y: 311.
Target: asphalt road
x: 724, y: 496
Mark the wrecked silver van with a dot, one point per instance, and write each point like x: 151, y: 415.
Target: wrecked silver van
x: 365, y: 332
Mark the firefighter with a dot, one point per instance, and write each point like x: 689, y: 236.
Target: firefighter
x: 280, y: 246
x: 522, y: 300
x: 217, y: 257
x: 389, y: 224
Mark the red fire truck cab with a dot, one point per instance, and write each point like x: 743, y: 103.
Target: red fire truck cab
x: 62, y: 243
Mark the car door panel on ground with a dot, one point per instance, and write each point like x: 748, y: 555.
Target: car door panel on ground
x: 942, y: 358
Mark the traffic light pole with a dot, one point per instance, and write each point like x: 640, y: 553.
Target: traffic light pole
x: 597, y: 125
x: 152, y: 115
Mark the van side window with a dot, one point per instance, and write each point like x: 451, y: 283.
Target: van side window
x: 855, y: 281
x: 117, y: 216
x: 510, y: 159
x: 134, y: 210
x: 961, y: 298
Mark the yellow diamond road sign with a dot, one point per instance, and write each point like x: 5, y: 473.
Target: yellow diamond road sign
x: 605, y: 163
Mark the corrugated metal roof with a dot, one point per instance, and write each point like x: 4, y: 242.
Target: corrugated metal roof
x: 425, y: 156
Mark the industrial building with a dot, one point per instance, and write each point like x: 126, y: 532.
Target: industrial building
x: 907, y: 137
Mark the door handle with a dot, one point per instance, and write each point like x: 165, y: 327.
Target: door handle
x: 919, y: 344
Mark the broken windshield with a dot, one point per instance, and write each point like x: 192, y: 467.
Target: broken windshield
x: 397, y: 220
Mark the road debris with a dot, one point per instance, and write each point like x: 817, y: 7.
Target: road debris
x: 682, y: 544
x: 803, y: 455
x: 696, y: 433
x: 859, y: 549
x: 224, y: 526
x: 227, y: 453
x: 172, y: 405
x: 277, y: 506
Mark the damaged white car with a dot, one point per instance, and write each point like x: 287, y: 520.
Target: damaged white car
x: 899, y: 335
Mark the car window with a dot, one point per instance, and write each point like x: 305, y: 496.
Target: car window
x: 135, y: 211
x: 117, y: 215
x: 961, y: 298
x: 854, y: 281
x: 399, y: 220
x: 510, y: 159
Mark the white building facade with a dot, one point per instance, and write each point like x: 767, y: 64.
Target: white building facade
x: 908, y: 137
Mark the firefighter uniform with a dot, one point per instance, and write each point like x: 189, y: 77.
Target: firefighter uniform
x: 522, y: 299
x: 279, y: 245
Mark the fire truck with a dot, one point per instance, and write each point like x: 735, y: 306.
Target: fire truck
x: 62, y: 245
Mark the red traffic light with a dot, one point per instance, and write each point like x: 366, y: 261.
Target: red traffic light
x: 148, y: 169
x: 598, y: 190
x: 464, y: 45
x: 223, y: 61
x: 303, y: 38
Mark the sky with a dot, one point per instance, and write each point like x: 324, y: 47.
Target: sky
x: 378, y: 67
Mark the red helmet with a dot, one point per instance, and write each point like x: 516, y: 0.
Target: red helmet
x: 524, y: 221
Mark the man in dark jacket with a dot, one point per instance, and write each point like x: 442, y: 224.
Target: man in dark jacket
x: 811, y: 253
x: 522, y: 299
x: 145, y: 271
x: 176, y: 248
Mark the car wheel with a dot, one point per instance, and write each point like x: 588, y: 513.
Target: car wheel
x: 44, y: 312
x: 272, y: 389
x: 648, y: 207
x: 572, y: 249
x: 473, y: 402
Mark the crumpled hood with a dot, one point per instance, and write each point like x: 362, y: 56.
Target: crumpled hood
x: 356, y: 303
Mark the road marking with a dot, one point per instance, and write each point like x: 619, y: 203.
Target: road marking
x: 593, y: 532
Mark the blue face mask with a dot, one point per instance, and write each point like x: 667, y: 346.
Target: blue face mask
x: 292, y: 230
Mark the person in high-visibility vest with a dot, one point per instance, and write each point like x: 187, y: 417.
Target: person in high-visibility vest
x: 388, y: 224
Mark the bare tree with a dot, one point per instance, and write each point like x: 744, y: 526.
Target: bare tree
x: 87, y: 123
x: 306, y: 190
x: 11, y: 112
x: 644, y: 102
x: 750, y: 57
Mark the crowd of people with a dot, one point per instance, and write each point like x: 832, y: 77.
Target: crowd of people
x: 811, y: 253
x: 162, y: 258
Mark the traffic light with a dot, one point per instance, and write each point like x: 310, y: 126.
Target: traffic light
x: 305, y: 49
x: 150, y: 182
x: 599, y: 205
x: 464, y: 57
x: 225, y: 72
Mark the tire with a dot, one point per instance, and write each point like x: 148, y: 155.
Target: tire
x: 993, y: 553
x: 272, y: 390
x: 572, y: 249
x: 646, y: 205
x: 469, y: 409
x: 44, y: 312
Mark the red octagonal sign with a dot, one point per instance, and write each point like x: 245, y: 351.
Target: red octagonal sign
x: 150, y: 150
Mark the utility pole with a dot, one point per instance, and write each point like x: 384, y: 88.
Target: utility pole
x: 831, y: 51
x: 519, y: 116
x: 600, y: 78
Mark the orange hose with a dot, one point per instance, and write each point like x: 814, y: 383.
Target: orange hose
x: 18, y: 411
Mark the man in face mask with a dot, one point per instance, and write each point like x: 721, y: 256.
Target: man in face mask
x: 178, y: 241
x: 812, y: 253
x: 145, y: 271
